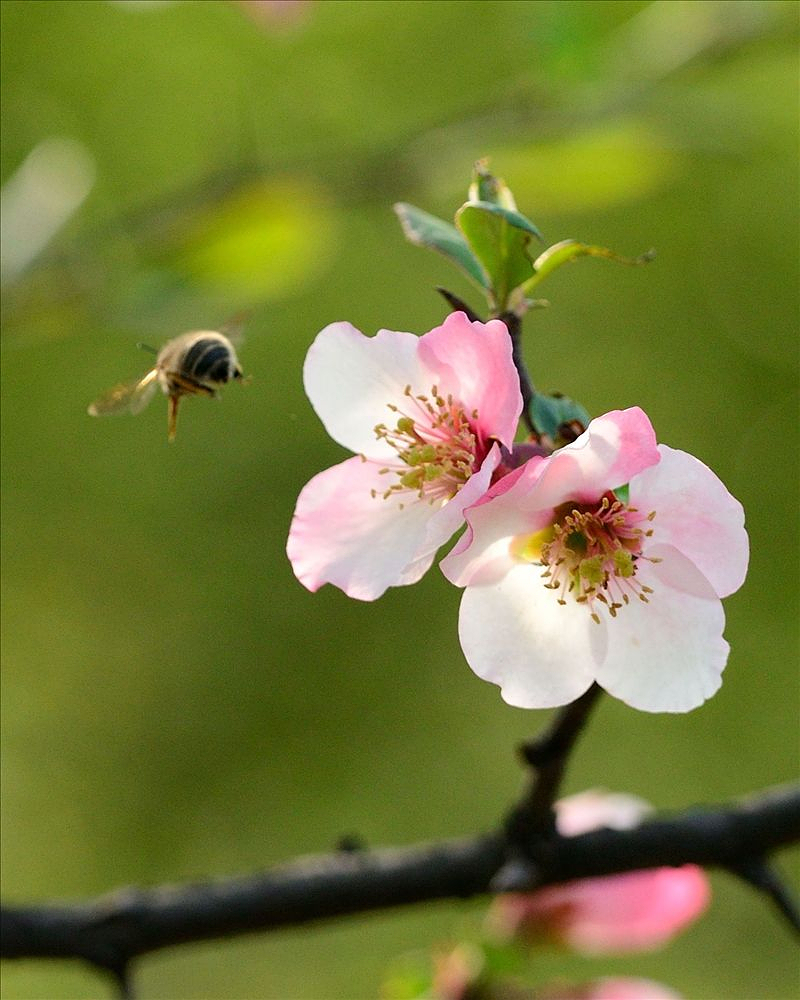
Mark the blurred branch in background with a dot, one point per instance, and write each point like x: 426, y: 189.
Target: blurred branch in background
x: 112, y: 931
x: 240, y: 232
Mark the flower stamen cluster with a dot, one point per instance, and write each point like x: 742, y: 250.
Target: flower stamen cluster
x: 590, y: 553
x: 436, y: 446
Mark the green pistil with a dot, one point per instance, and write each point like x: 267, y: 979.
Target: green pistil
x: 413, y: 480
x: 576, y: 542
x: 623, y: 563
x: 419, y: 455
x: 592, y: 570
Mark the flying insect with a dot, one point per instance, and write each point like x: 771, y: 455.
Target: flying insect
x: 197, y: 363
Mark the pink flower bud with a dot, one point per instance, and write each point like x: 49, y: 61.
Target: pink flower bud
x: 630, y: 912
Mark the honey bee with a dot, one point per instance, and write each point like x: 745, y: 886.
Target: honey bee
x: 194, y: 364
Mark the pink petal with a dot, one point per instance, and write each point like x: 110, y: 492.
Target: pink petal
x: 667, y: 655
x: 472, y: 361
x: 515, y: 634
x: 612, y: 449
x: 634, y: 911
x: 343, y: 535
x: 482, y: 555
x: 350, y: 380
x: 696, y: 514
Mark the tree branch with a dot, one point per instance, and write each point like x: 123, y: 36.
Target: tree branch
x: 110, y: 931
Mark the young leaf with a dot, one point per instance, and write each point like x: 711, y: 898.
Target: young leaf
x: 549, y: 413
x: 499, y: 238
x: 568, y: 250
x: 425, y: 230
x: 486, y: 187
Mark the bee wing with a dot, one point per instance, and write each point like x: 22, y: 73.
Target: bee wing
x: 130, y: 396
x: 233, y: 329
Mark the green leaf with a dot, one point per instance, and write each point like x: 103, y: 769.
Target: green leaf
x: 425, y: 230
x: 548, y: 413
x: 499, y: 238
x: 568, y: 250
x: 486, y: 187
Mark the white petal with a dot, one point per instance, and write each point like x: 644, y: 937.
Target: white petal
x: 596, y: 808
x: 515, y: 633
x: 667, y: 655
x: 696, y: 514
x: 350, y: 380
x: 343, y: 535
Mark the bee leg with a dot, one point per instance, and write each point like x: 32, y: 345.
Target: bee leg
x: 189, y: 386
x: 172, y: 415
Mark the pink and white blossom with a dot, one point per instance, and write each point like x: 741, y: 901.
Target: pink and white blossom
x: 606, y: 562
x: 616, y: 914
x: 426, y: 417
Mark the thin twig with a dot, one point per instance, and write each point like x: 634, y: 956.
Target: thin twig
x: 758, y: 873
x: 458, y: 305
x: 124, y: 982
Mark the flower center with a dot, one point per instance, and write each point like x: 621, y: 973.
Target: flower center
x: 436, y: 447
x: 590, y: 553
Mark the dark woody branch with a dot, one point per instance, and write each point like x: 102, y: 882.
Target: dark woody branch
x: 514, y: 324
x: 110, y: 931
x: 548, y: 755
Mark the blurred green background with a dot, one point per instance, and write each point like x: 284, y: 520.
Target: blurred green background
x: 175, y: 705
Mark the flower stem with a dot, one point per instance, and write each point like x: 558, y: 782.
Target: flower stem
x: 548, y: 755
x: 514, y: 324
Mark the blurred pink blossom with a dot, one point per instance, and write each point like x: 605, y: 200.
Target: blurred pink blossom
x: 620, y: 988
x: 457, y: 972
x: 634, y: 911
x: 275, y: 13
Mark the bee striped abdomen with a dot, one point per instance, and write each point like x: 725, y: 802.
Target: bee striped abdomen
x: 208, y: 361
